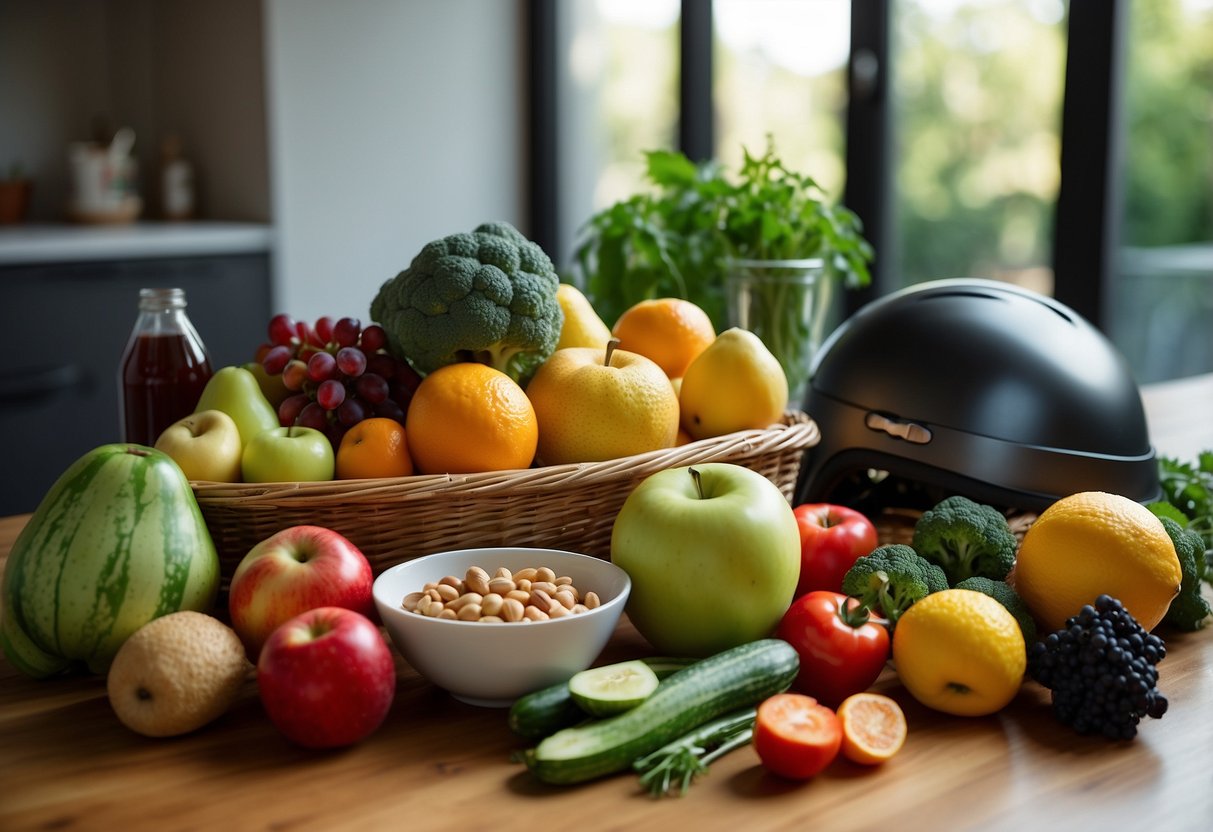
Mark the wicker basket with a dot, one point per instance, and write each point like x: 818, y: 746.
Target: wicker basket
x: 560, y: 506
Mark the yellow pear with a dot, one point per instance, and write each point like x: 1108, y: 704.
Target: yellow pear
x: 582, y: 327
x: 734, y: 384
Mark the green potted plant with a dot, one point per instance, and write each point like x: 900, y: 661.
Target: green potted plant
x: 760, y: 249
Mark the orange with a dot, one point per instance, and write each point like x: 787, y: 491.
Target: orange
x: 669, y: 331
x: 1094, y: 543
x: 466, y: 418
x: 873, y: 728
x: 374, y: 448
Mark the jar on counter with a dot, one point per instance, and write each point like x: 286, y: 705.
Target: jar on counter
x: 164, y: 368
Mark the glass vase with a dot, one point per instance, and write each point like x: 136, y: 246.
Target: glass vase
x: 785, y: 303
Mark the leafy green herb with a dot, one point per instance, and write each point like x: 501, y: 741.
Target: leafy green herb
x: 676, y: 240
x: 1188, y: 491
x: 671, y: 769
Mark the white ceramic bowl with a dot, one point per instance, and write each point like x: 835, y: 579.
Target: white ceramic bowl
x: 492, y: 664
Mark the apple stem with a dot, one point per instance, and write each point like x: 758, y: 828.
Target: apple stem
x: 610, y: 350
x: 698, y: 482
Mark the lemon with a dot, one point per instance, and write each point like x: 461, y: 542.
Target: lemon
x: 582, y: 327
x: 734, y: 384
x: 592, y: 405
x: 176, y: 674
x: 1094, y: 543
x: 960, y: 652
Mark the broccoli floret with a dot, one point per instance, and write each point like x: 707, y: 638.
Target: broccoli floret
x: 965, y: 539
x: 1002, y: 592
x: 487, y: 296
x: 1188, y: 609
x: 892, y: 578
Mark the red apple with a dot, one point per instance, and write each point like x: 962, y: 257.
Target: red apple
x: 295, y: 570
x: 832, y: 538
x: 326, y: 678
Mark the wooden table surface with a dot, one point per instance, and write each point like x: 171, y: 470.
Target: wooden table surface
x: 67, y: 763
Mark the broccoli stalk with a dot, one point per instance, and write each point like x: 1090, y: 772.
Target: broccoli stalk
x: 1189, y: 610
x: 966, y: 539
x: 891, y: 579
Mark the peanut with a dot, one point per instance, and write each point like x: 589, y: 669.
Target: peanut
x: 528, y: 595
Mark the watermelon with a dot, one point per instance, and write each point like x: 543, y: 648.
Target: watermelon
x: 116, y: 542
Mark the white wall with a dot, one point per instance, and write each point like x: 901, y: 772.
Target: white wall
x: 390, y: 124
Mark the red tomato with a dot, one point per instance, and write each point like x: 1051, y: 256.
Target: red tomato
x: 832, y: 538
x: 839, y: 655
x: 795, y: 737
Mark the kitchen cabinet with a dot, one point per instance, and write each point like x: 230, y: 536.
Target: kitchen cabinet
x: 68, y: 301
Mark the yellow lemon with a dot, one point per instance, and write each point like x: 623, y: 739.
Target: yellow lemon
x: 960, y: 652
x: 582, y: 327
x: 592, y: 405
x: 1092, y: 543
x: 734, y: 384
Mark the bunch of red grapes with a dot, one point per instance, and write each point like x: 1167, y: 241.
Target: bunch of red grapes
x: 339, y: 372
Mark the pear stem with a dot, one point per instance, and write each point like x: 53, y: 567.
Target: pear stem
x: 610, y: 349
x: 698, y: 482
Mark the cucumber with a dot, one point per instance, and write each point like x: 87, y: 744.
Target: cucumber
x: 614, y: 688
x: 727, y: 681
x: 546, y: 711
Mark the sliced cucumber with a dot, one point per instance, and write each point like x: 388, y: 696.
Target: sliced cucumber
x: 613, y: 688
x: 546, y: 711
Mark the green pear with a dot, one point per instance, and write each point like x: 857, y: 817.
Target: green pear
x: 235, y: 391
x: 272, y: 386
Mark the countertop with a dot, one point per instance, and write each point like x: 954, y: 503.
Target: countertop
x: 68, y: 763
x: 60, y: 243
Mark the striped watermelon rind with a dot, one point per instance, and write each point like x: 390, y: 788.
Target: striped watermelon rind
x: 117, y: 541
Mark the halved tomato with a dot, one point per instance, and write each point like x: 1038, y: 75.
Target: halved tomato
x: 795, y: 736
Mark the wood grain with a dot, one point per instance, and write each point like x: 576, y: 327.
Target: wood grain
x: 67, y: 763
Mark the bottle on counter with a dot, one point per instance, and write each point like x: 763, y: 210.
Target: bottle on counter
x: 176, y: 181
x: 164, y: 368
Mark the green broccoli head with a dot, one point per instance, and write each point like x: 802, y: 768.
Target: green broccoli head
x: 1002, y: 592
x: 1188, y: 609
x: 892, y: 578
x: 966, y: 539
x: 487, y: 296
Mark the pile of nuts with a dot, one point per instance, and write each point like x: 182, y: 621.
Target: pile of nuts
x: 531, y: 594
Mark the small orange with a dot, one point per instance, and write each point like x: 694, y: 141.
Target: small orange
x: 873, y: 728
x: 374, y: 448
x: 669, y: 331
x: 467, y: 418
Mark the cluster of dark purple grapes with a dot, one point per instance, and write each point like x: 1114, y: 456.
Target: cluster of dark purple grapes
x: 1101, y: 669
x: 339, y: 373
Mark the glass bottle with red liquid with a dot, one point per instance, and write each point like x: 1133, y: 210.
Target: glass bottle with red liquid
x: 164, y: 368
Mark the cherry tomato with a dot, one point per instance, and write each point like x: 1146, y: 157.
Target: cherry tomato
x: 832, y: 538
x: 842, y: 650
x: 796, y: 737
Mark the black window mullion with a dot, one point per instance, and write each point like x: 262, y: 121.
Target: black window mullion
x: 542, y: 160
x: 1087, y: 224
x: 868, y: 128
x: 696, y: 120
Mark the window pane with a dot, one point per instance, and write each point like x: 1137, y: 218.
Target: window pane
x: 617, y: 97
x: 977, y: 88
x: 1163, y: 298
x: 780, y: 69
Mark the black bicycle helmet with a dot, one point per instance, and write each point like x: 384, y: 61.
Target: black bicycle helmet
x: 980, y: 388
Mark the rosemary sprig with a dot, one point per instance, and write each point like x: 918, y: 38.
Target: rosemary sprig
x: 671, y: 769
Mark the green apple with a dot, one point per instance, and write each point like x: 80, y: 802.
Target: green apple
x: 272, y: 387
x: 713, y: 552
x: 235, y: 391
x: 205, y: 445
x: 294, y: 454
